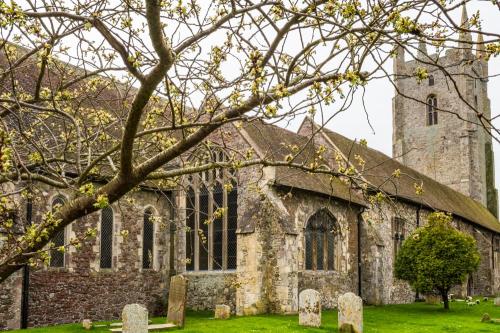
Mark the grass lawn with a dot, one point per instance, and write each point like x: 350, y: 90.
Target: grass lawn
x: 418, y: 317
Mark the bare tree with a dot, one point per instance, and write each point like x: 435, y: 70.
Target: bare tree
x: 122, y: 91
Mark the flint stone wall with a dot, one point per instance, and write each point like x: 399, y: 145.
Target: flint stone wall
x: 10, y: 301
x: 207, y: 289
x: 81, y: 289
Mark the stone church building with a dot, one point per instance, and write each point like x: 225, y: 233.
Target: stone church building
x: 284, y: 230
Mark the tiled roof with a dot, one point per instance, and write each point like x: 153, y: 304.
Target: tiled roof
x: 380, y: 167
x: 275, y: 142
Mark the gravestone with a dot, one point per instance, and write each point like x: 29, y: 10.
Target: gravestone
x: 350, y: 313
x: 486, y: 318
x: 135, y: 319
x: 177, y: 295
x: 87, y: 324
x: 432, y: 299
x: 222, y: 311
x: 497, y: 301
x: 310, y: 308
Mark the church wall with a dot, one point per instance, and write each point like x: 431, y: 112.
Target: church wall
x: 82, y: 289
x: 378, y: 283
x: 496, y: 265
x: 483, y: 280
x: 331, y: 284
x: 10, y: 301
x: 379, y: 286
x: 207, y: 289
x: 11, y: 288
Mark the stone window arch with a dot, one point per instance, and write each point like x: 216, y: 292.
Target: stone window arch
x: 106, y: 238
x: 148, y: 230
x: 431, y: 107
x: 322, y: 242
x: 211, y: 217
x: 57, y: 257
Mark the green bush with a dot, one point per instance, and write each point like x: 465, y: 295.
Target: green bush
x: 437, y: 257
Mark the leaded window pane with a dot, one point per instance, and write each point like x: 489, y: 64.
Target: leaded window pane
x: 147, y: 241
x: 106, y: 238
x: 331, y: 250
x: 218, y: 228
x: 232, y: 225
x: 203, y: 229
x: 309, y: 249
x: 190, y: 228
x: 56, y: 256
x: 320, y: 237
x: 320, y: 254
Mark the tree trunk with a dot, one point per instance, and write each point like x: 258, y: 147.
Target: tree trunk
x: 444, y: 296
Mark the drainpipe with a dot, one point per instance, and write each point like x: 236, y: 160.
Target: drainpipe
x: 172, y: 230
x: 492, y: 262
x: 417, y: 294
x: 418, y: 216
x: 26, y: 274
x: 360, y: 220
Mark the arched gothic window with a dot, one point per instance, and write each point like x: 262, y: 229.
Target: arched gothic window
x: 148, y: 239
x: 432, y: 116
x: 431, y: 80
x: 211, y: 218
x: 56, y: 256
x: 106, y: 238
x: 322, y: 242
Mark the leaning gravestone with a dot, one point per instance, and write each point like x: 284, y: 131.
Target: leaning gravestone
x: 309, y: 308
x: 497, y: 301
x: 177, y: 300
x: 350, y: 313
x: 135, y: 319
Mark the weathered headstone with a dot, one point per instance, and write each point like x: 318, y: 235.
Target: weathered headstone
x: 87, y: 324
x: 135, y: 319
x: 177, y: 300
x: 222, y: 311
x: 486, y: 318
x: 497, y: 301
x: 350, y: 313
x: 432, y: 299
x: 310, y: 308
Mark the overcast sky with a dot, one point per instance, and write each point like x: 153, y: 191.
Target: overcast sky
x: 379, y: 95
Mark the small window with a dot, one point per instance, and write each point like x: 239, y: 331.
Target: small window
x: 475, y: 102
x: 398, y: 230
x: 147, y: 240
x: 321, y: 241
x: 431, y: 80
x: 56, y: 256
x: 106, y: 238
x: 432, y: 115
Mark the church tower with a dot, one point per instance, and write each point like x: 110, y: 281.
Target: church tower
x: 436, y: 130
